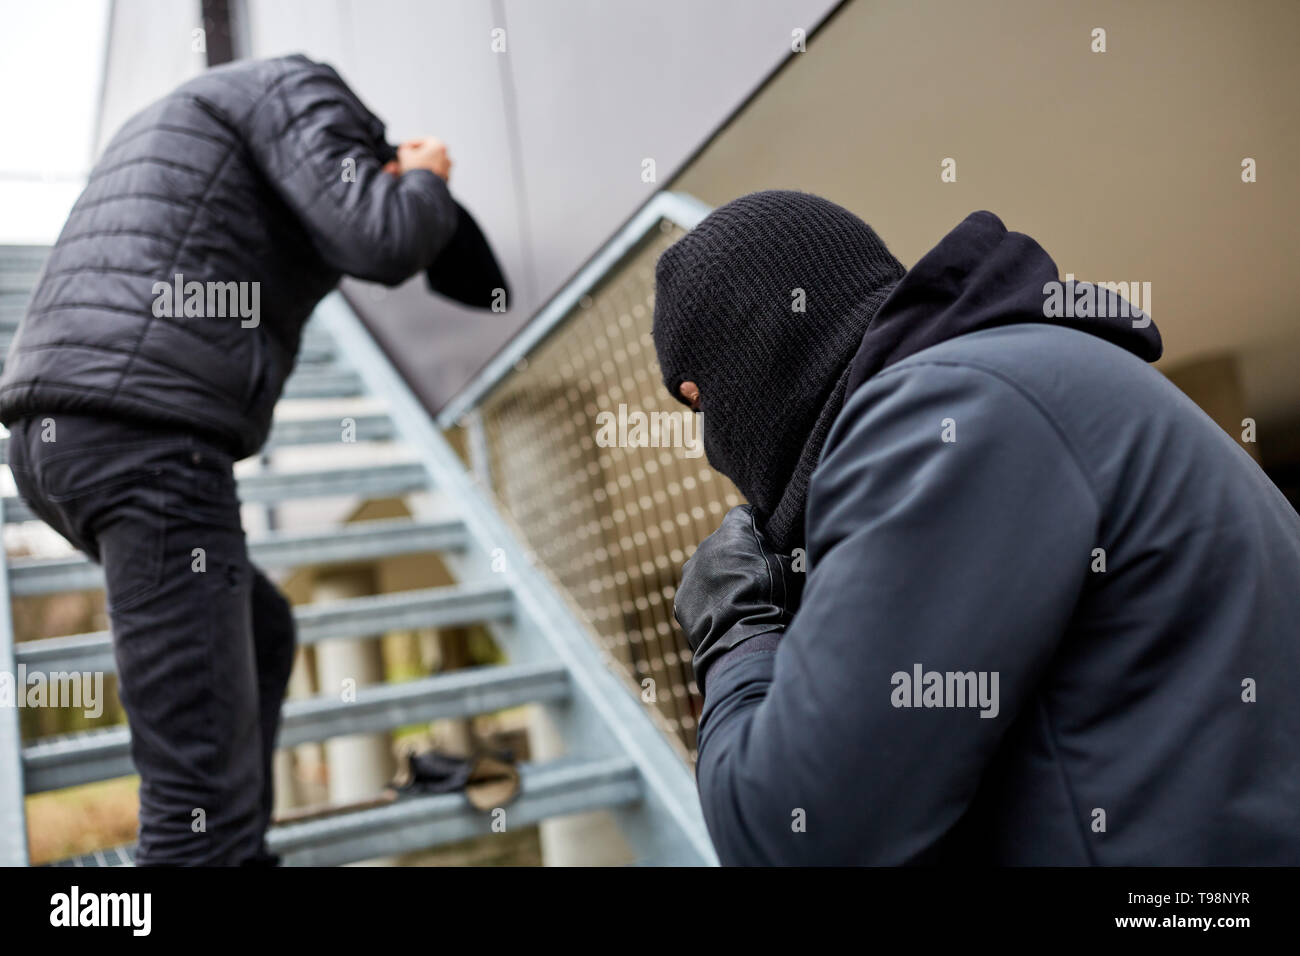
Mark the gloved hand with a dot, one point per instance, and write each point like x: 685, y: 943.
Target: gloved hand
x: 734, y: 587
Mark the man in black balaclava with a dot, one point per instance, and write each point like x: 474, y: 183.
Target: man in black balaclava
x: 738, y: 297
x: 1020, y: 639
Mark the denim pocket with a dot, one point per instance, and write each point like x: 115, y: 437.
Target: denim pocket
x: 131, y: 538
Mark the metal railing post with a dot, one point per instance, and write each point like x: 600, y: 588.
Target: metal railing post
x: 13, y: 808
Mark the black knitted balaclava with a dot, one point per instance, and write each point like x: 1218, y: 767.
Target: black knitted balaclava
x: 771, y: 377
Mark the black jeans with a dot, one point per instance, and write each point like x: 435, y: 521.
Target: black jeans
x: 204, y: 643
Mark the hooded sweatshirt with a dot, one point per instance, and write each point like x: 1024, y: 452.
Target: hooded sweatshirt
x: 1050, y: 611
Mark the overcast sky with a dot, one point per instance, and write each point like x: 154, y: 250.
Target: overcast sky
x: 51, y: 64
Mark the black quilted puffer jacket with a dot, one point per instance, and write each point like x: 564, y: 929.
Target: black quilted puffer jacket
x: 266, y: 174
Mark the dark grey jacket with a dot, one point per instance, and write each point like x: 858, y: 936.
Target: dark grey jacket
x: 1147, y: 713
x: 264, y: 172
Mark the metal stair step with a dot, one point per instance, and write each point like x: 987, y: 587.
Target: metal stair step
x: 18, y: 278
x: 13, y: 302
x: 454, y: 606
x: 323, y: 381
x: 362, y: 541
x: 316, y: 350
x: 113, y: 856
x: 69, y: 760
x: 17, y: 252
x: 364, y: 481
x: 328, y: 430
x: 547, y: 790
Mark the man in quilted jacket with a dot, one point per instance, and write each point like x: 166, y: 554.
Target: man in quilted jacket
x: 154, y: 349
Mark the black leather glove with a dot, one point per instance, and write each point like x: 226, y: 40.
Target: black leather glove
x: 734, y: 587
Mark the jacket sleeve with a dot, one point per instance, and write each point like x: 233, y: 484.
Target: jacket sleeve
x: 314, y: 147
x: 952, y: 556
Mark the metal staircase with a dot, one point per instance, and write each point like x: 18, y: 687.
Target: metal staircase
x: 616, y: 758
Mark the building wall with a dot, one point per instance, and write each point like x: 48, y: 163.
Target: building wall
x: 1125, y: 165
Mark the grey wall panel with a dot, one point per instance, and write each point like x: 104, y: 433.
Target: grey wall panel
x: 1125, y: 165
x: 150, y: 51
x: 603, y: 86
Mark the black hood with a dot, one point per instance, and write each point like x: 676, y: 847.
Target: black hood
x: 981, y: 276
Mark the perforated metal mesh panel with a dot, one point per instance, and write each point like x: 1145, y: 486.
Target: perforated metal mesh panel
x: 612, y: 525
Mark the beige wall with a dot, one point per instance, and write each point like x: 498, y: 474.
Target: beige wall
x: 1125, y: 165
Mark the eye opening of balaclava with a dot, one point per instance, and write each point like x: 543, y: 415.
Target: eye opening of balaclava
x: 763, y: 305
